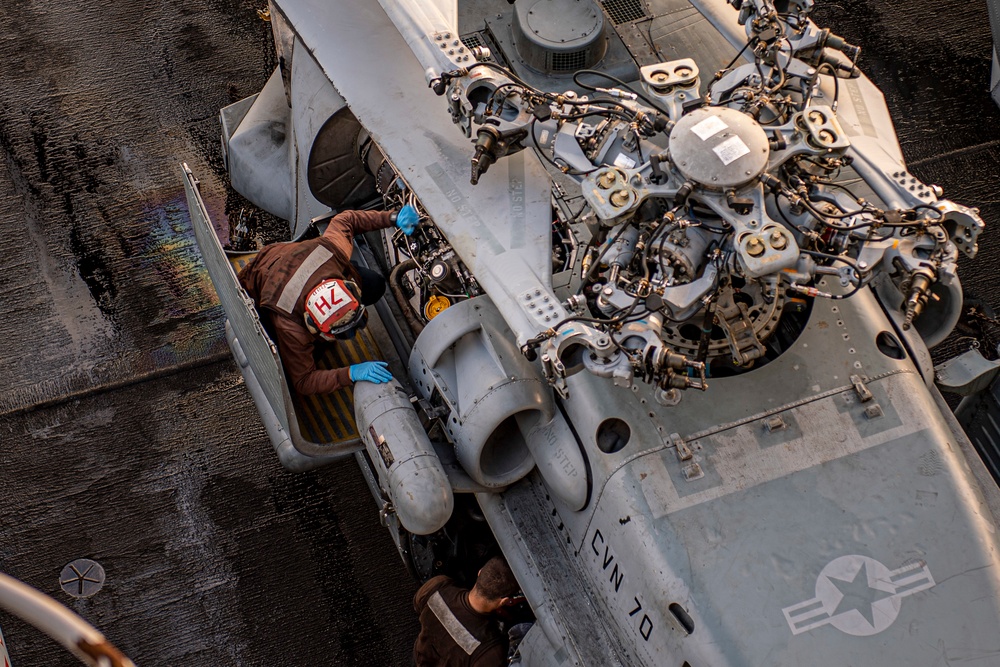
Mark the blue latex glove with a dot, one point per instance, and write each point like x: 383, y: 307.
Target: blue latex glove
x: 375, y: 372
x: 407, y: 219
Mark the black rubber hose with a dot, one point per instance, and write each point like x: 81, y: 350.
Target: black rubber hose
x: 395, y: 284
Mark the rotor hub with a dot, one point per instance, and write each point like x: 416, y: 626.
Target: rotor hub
x: 719, y: 148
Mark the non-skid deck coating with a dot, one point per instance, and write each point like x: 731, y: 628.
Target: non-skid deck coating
x: 126, y: 434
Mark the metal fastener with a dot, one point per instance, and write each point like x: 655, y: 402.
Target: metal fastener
x: 692, y: 472
x: 775, y: 423
x: 619, y: 197
x: 754, y: 247
x: 873, y: 411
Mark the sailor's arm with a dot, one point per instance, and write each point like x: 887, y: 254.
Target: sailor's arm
x: 348, y: 224
x: 344, y: 226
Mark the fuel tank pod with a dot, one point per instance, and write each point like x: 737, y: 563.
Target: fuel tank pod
x: 408, y: 468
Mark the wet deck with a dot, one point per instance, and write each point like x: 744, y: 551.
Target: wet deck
x: 127, y: 435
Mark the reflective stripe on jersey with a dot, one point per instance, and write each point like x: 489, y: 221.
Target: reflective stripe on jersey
x: 458, y: 632
x: 293, y: 288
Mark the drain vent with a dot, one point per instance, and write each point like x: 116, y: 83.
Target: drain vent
x: 569, y: 62
x: 624, y: 11
x: 472, y: 40
x: 481, y: 38
x: 82, y: 578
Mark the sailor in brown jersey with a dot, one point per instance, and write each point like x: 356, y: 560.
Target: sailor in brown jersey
x: 310, y: 289
x: 458, y: 626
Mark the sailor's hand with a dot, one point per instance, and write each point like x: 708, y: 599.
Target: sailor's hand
x: 407, y: 219
x: 375, y: 372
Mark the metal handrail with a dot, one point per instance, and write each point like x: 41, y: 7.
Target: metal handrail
x: 59, y: 623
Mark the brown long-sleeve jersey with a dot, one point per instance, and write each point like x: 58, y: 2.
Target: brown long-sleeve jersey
x: 272, y: 271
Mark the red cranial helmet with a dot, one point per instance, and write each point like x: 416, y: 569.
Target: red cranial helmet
x: 333, y: 309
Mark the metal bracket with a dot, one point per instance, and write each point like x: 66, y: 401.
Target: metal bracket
x: 431, y: 412
x: 735, y: 321
x: 872, y: 410
x: 684, y: 452
x: 692, y: 470
x: 775, y: 423
x: 383, y: 514
x: 864, y: 394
